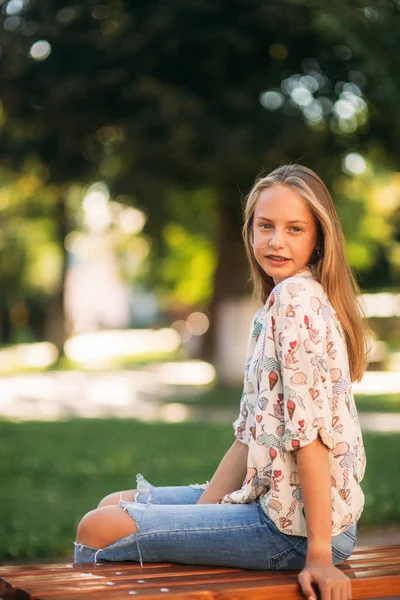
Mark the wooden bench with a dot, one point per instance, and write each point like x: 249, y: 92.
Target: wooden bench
x: 374, y: 571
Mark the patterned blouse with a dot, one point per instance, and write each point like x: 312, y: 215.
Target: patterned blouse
x: 296, y: 386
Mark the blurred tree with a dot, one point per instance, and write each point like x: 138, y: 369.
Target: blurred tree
x: 31, y: 257
x: 185, y: 94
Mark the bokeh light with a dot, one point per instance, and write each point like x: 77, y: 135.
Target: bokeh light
x: 14, y: 7
x: 354, y: 164
x: 197, y: 323
x: 132, y: 220
x: 271, y: 100
x: 194, y: 372
x: 40, y: 50
x: 181, y: 327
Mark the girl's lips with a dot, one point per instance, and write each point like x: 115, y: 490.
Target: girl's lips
x: 277, y: 262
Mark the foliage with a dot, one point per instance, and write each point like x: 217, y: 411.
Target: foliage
x: 196, y: 96
x: 368, y: 207
x: 30, y: 254
x: 145, y: 92
x: 185, y: 271
x: 53, y: 473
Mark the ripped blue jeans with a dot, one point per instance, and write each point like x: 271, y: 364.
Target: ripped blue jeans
x: 171, y: 527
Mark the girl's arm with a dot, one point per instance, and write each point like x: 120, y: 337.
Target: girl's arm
x: 229, y: 475
x: 315, y: 481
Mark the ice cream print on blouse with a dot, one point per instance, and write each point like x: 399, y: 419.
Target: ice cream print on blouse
x: 297, y: 386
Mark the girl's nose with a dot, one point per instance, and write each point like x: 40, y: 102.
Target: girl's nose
x: 276, y: 240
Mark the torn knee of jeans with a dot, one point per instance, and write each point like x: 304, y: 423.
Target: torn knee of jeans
x: 82, y: 546
x: 143, y: 493
x: 199, y: 486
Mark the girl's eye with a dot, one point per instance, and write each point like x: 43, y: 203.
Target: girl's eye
x: 296, y: 229
x: 265, y: 225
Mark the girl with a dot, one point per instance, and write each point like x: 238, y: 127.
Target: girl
x: 287, y: 493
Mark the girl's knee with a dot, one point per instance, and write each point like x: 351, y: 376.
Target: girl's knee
x: 115, y: 497
x: 103, y: 526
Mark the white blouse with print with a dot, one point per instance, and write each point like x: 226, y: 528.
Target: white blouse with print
x: 296, y: 386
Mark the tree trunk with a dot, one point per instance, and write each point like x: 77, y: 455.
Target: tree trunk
x: 231, y: 275
x: 54, y: 327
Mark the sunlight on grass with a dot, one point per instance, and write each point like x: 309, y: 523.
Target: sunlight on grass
x: 103, y: 345
x: 31, y: 356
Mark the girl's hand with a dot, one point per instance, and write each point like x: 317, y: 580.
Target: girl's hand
x: 333, y: 584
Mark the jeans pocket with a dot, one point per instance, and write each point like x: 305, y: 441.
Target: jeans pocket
x: 291, y: 558
x: 290, y: 550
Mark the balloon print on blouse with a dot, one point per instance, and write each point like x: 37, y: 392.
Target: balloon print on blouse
x: 272, y: 443
x: 341, y: 384
x: 342, y: 450
x: 294, y: 289
x: 318, y: 306
x: 295, y: 483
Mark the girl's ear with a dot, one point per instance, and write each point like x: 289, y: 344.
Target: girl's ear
x: 316, y: 255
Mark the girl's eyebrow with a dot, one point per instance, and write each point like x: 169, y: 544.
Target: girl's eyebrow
x: 260, y: 218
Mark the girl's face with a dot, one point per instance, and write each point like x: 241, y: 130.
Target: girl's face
x: 284, y: 232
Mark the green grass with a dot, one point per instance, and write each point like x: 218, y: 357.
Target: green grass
x: 52, y: 473
x: 230, y: 398
x: 389, y: 403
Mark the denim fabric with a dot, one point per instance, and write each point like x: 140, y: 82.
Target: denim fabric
x: 173, y: 528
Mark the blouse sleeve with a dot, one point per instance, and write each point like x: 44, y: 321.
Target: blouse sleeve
x: 301, y: 344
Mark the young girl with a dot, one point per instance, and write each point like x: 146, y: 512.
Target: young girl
x: 287, y: 493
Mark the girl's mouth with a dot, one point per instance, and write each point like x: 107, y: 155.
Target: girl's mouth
x: 277, y: 260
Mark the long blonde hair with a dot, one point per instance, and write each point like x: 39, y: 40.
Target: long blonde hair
x: 329, y: 261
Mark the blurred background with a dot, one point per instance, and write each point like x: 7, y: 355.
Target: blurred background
x: 129, y: 135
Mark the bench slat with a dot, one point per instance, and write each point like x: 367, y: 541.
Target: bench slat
x: 375, y: 573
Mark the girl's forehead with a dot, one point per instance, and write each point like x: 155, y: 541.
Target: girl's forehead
x: 281, y: 201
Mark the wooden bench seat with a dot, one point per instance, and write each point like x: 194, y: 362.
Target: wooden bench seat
x: 374, y: 571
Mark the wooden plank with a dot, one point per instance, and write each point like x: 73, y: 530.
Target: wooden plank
x: 151, y: 594
x: 374, y: 548
x: 22, y: 579
x: 375, y: 572
x: 373, y: 583
x: 378, y: 587
x: 376, y: 554
x: 37, y: 588
x: 128, y: 571
x: 10, y: 569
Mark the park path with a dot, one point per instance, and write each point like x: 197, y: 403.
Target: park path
x: 142, y: 394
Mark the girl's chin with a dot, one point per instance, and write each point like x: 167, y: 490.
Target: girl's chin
x: 281, y: 271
